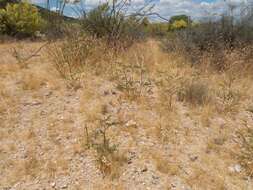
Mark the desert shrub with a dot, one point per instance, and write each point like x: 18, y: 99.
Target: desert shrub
x: 112, y: 24
x: 229, y: 95
x: 157, y: 29
x: 71, y: 56
x: 179, y: 22
x: 184, y: 18
x: 58, y: 26
x: 210, y: 41
x: 20, y: 19
x: 195, y: 93
x: 79, y: 55
x: 178, y: 25
x: 134, y: 80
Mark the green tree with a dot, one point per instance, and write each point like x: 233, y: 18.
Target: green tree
x: 110, y: 22
x: 3, y: 3
x: 179, y: 22
x: 185, y: 18
x: 99, y: 21
x: 20, y: 19
x: 178, y: 25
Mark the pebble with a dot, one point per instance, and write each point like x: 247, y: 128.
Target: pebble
x: 34, y: 103
x: 237, y: 168
x: 64, y: 186
x: 53, y: 184
x: 193, y: 158
x: 131, y: 123
x: 48, y: 93
x: 144, y: 169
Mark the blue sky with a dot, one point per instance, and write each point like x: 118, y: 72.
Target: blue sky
x: 197, y: 9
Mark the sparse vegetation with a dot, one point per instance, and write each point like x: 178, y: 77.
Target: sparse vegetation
x: 109, y: 160
x: 109, y: 21
x: 123, y: 102
x: 71, y: 56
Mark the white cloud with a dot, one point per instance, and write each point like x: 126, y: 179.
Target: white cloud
x: 54, y: 9
x: 168, y: 8
x: 195, y: 9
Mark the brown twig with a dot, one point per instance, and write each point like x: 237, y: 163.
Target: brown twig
x: 35, y: 53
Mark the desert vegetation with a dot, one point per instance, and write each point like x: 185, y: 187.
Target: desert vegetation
x: 114, y: 100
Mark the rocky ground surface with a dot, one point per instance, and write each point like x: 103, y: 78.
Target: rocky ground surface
x: 42, y: 135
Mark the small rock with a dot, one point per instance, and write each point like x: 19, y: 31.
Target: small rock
x: 113, y: 92
x: 131, y: 123
x: 34, y: 103
x: 193, y: 158
x: 64, y: 186
x: 250, y: 109
x: 219, y: 141
x: 53, y: 185
x: 43, y: 113
x: 144, y: 169
x: 221, y: 122
x: 48, y: 93
x: 236, y: 168
x: 106, y: 93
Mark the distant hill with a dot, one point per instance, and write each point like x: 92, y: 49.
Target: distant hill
x: 44, y: 12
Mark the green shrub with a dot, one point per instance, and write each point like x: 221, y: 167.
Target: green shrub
x: 20, y: 19
x: 184, y: 18
x: 112, y: 24
x: 178, y: 25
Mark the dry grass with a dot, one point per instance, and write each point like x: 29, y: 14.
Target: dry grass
x: 164, y: 165
x: 195, y: 93
x: 202, y: 179
x: 246, y: 154
x: 126, y: 102
x: 30, y: 81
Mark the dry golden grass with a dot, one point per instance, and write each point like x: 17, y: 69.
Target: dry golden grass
x: 246, y: 155
x: 32, y: 82
x: 172, y: 107
x: 203, y: 180
x: 164, y: 165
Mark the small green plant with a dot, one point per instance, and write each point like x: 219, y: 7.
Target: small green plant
x: 20, y: 19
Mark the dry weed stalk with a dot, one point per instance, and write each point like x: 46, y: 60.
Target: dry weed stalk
x: 108, y: 158
x: 133, y: 78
